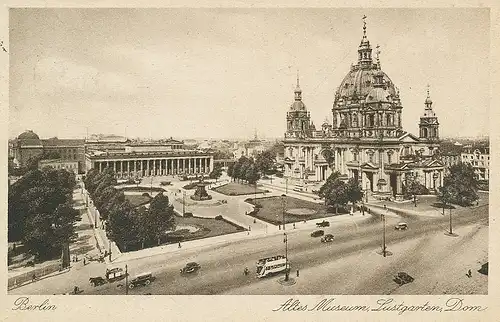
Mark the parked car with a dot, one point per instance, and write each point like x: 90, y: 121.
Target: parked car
x: 141, y: 279
x: 403, y: 278
x: 317, y: 233
x: 327, y: 238
x: 401, y: 226
x: 96, y: 281
x: 190, y: 268
x: 324, y: 223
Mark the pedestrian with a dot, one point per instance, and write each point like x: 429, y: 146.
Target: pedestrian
x: 84, y: 261
x: 293, y: 225
x: 297, y: 273
x: 179, y: 244
x: 75, y: 289
x: 33, y: 278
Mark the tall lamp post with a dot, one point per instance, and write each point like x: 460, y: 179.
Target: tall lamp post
x: 283, y: 199
x: 451, y: 229
x: 287, y: 270
x: 183, y: 203
x: 126, y: 279
x: 286, y: 185
x: 384, y: 248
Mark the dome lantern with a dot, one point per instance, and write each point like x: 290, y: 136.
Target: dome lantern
x: 364, y: 50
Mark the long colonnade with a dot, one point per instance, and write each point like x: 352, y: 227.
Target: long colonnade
x: 130, y: 168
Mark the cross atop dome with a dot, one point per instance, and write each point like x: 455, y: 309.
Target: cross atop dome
x: 364, y: 26
x: 298, y: 91
x: 428, y: 101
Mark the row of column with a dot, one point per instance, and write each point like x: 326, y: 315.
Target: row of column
x: 156, y: 167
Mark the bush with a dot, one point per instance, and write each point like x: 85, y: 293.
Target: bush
x: 219, y: 217
x: 279, y: 175
x: 258, y: 205
x: 188, y: 215
x: 145, y: 194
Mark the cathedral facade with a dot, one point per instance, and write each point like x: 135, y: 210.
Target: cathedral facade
x: 365, y: 139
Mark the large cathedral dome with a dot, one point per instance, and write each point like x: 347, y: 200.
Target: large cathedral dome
x: 361, y: 81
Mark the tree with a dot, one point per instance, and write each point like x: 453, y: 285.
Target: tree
x: 123, y: 226
x: 252, y: 174
x: 413, y: 187
x: 230, y: 170
x: 159, y: 217
x: 216, y: 172
x: 353, y: 190
x: 265, y: 161
x: 459, y: 186
x: 334, y: 191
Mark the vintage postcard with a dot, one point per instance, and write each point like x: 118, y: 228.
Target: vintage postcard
x: 337, y: 159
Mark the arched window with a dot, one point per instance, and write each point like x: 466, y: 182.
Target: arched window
x: 354, y: 120
x: 424, y: 132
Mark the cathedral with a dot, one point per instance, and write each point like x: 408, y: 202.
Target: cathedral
x: 365, y: 139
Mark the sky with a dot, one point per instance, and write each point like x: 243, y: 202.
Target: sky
x: 226, y: 73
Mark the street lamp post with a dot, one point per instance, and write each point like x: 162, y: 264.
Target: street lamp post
x: 286, y: 185
x: 451, y: 230
x: 415, y: 200
x: 384, y: 248
x: 287, y: 273
x: 183, y: 203
x: 284, y: 209
x: 126, y: 280
x: 255, y: 192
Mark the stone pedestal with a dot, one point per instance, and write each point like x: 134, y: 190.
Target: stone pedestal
x: 201, y: 192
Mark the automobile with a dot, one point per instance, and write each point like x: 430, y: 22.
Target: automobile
x: 324, y: 223
x: 317, y: 233
x: 403, y: 278
x: 96, y: 281
x: 190, y: 268
x: 401, y: 226
x: 327, y: 238
x: 141, y: 279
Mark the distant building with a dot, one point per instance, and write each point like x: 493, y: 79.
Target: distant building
x: 479, y: 159
x: 28, y: 145
x: 57, y: 164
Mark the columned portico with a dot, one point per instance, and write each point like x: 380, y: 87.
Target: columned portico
x: 127, y: 165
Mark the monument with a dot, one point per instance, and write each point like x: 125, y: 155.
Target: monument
x: 201, y: 193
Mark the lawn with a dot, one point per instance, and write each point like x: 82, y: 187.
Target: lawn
x: 237, y: 189
x: 137, y: 200
x: 270, y: 210
x: 209, y: 227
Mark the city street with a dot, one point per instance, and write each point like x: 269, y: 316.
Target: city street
x: 354, y: 249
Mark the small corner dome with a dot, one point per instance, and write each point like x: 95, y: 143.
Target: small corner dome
x: 28, y: 135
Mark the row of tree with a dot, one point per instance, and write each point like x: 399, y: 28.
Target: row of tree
x: 127, y: 225
x: 245, y: 169
x: 40, y: 211
x: 459, y: 187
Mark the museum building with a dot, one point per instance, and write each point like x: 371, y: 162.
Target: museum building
x: 365, y: 139
x: 137, y: 160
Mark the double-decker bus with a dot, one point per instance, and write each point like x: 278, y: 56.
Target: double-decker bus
x: 271, y: 265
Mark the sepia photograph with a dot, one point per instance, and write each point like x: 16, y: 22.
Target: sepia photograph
x: 248, y: 151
